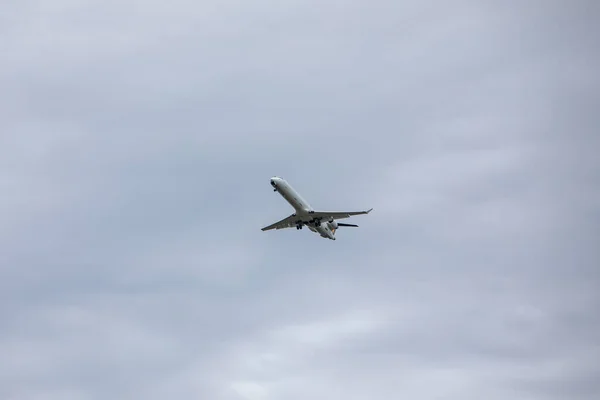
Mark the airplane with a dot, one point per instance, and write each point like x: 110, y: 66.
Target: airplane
x: 322, y: 222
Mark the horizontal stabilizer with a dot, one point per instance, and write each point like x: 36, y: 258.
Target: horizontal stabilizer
x: 341, y: 224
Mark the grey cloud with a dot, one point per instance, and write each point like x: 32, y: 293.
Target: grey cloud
x: 136, y: 146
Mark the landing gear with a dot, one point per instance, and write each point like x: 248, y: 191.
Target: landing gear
x: 299, y: 225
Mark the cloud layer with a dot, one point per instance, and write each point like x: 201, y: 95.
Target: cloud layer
x: 137, y: 139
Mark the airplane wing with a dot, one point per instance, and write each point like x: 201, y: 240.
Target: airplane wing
x: 287, y: 222
x: 290, y: 221
x: 329, y: 215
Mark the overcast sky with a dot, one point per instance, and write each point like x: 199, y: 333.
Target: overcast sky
x: 137, y: 139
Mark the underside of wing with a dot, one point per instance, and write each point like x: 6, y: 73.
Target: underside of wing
x: 287, y: 222
x: 338, y: 214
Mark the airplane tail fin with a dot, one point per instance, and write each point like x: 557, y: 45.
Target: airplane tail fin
x: 339, y: 224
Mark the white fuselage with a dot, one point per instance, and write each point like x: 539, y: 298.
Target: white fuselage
x: 302, y: 207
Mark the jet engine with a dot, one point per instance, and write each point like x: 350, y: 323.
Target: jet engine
x: 332, y: 224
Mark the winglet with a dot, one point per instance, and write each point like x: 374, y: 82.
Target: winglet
x: 369, y: 210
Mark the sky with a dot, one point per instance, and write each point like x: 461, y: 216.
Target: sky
x: 137, y: 139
